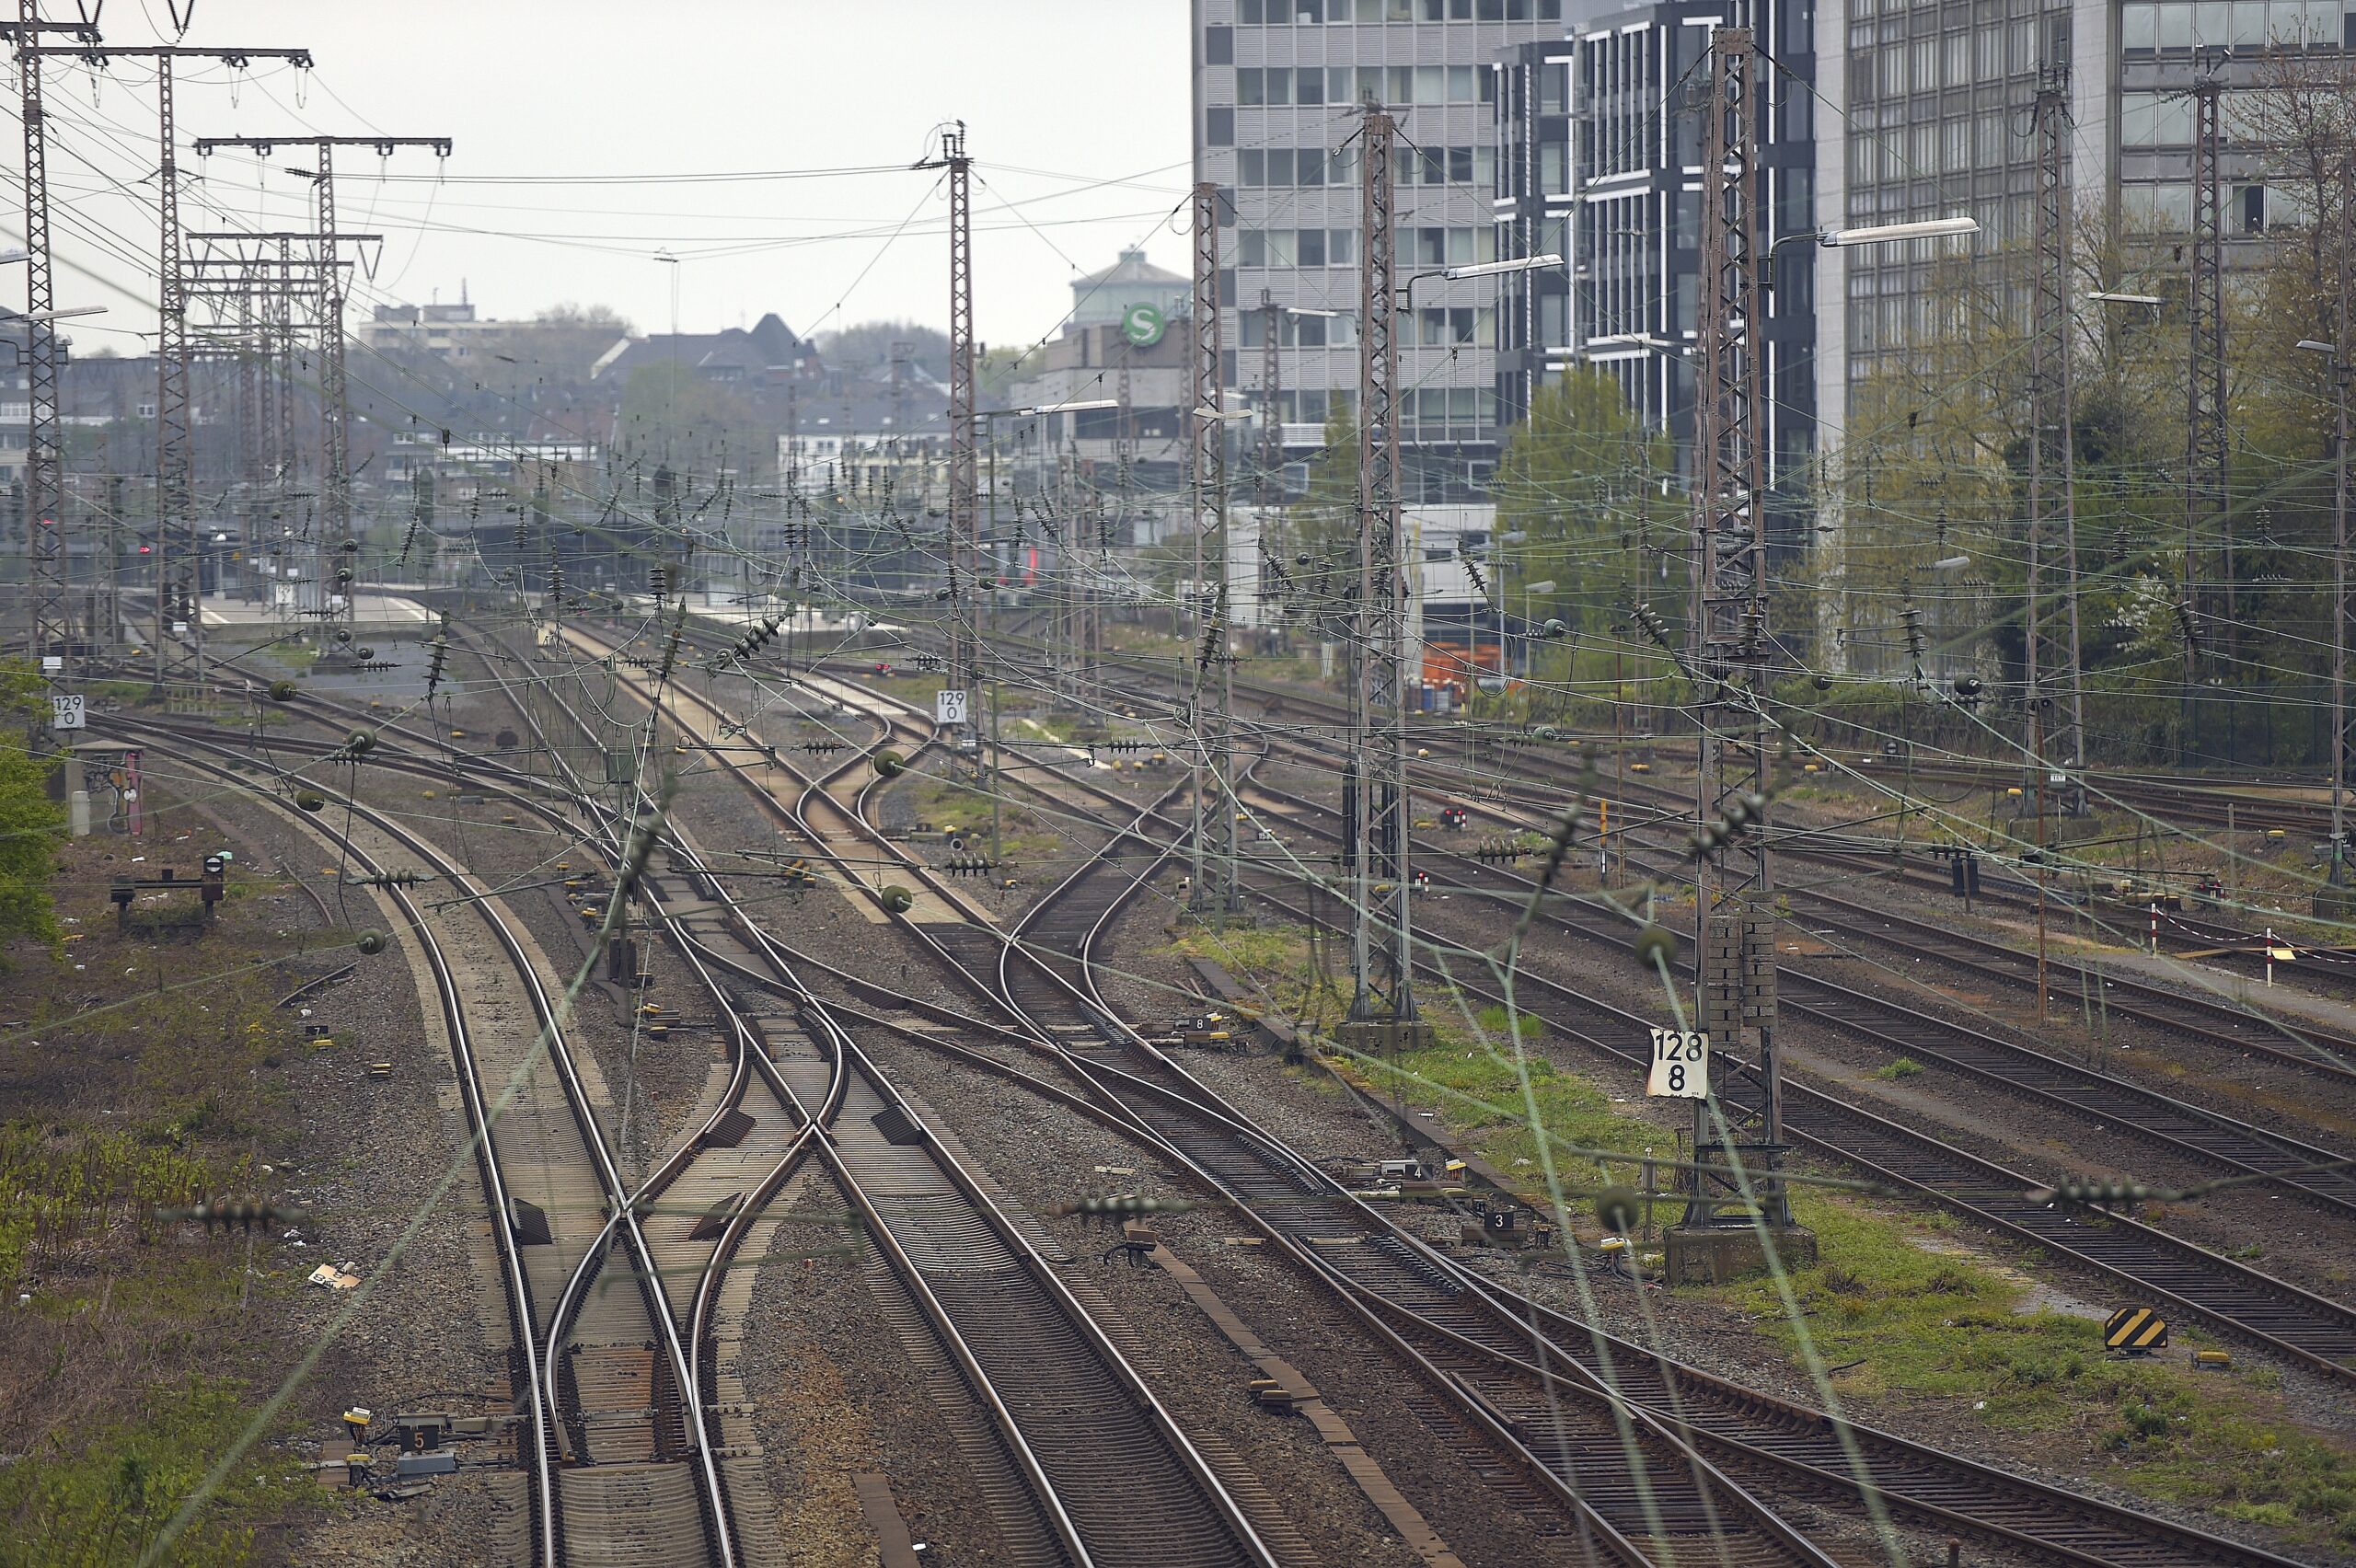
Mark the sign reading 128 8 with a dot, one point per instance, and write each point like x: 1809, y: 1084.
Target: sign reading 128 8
x: 1680, y: 1067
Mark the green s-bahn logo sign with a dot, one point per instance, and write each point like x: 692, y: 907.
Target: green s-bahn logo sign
x: 1141, y: 325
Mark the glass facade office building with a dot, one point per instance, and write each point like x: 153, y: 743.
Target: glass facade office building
x: 1927, y: 116
x: 1598, y: 154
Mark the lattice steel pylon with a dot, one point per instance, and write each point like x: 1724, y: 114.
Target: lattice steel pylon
x: 2207, y: 499
x: 964, y: 499
x: 2059, y: 725
x: 179, y: 567
x: 1734, y: 880
x: 52, y: 632
x: 1213, y: 889
x: 1382, y: 936
x: 2343, y: 587
x: 331, y: 535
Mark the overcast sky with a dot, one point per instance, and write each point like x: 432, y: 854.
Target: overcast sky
x: 593, y: 135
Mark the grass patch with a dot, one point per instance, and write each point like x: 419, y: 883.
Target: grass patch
x: 140, y: 1071
x: 1924, y: 1325
x: 1899, y: 1070
x: 92, y: 1498
x: 1470, y: 1074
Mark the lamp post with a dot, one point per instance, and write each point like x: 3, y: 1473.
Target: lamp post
x: 984, y: 417
x: 1214, y: 754
x: 2342, y: 371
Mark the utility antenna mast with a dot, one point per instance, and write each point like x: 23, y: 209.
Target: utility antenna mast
x: 1213, y: 889
x: 1734, y: 880
x: 2052, y: 457
x: 52, y: 621
x: 1382, y: 1001
x: 965, y: 506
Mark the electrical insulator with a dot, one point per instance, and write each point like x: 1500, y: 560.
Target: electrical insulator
x: 391, y: 878
x: 2188, y: 625
x: 235, y: 1213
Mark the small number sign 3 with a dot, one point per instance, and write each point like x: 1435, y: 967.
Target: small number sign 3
x: 1680, y: 1067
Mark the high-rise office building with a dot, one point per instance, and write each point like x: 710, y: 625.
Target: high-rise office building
x: 1927, y: 117
x: 1597, y: 148
x: 1278, y: 86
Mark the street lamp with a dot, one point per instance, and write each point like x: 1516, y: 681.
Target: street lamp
x: 1078, y: 408
x: 1856, y: 239
x: 1481, y: 269
x: 2342, y: 373
x: 1498, y: 269
x: 1635, y: 341
x: 1885, y: 234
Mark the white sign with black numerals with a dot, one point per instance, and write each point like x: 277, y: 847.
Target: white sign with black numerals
x: 951, y: 706
x: 65, y: 710
x: 1681, y: 1065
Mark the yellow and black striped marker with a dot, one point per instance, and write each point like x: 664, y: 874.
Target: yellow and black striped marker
x: 2135, y: 1331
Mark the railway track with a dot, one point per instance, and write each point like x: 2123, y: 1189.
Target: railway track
x: 2197, y: 800
x: 619, y: 1472
x: 2164, y: 1122
x: 1800, y: 1444
x: 1659, y: 1498
x: 2304, y: 1329
x: 1113, y: 1478
x: 2214, y: 1138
